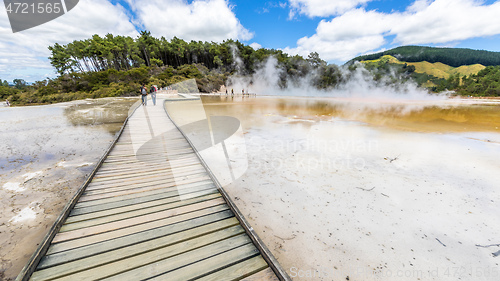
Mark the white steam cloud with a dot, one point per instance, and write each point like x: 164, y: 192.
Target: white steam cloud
x: 237, y: 61
x: 358, y: 83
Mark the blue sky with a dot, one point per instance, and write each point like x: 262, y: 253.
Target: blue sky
x: 338, y: 30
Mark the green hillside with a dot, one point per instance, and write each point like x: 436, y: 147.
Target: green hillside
x: 454, y: 57
x: 467, y: 80
x: 437, y: 69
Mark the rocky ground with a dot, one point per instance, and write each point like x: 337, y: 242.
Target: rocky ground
x: 46, y: 154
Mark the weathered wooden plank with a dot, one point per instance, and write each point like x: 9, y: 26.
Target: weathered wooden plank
x: 237, y: 271
x: 132, y: 168
x: 165, y: 185
x: 137, y: 162
x: 166, y: 202
x: 174, y: 254
x: 178, y: 181
x: 185, y: 171
x: 109, y: 169
x: 181, y: 171
x: 158, y: 169
x: 200, y: 236
x: 210, y: 264
x: 126, y: 140
x: 100, y: 243
x: 145, y: 157
x: 141, y: 154
x: 162, y: 266
x: 159, y: 157
x: 164, y: 144
x: 120, y: 194
x: 107, y: 204
x: 157, y: 146
x: 146, y: 166
x: 162, y: 159
x: 92, y: 227
x: 135, y: 182
x: 143, y: 174
x: 264, y: 275
x: 152, y: 152
x: 139, y: 177
x: 129, y: 198
x: 202, y: 195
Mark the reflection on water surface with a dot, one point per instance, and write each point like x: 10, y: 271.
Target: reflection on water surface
x: 435, y: 116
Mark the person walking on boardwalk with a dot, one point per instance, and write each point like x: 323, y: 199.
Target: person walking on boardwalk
x: 152, y: 91
x: 144, y: 95
x: 232, y: 92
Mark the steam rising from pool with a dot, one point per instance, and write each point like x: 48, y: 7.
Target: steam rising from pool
x: 358, y: 83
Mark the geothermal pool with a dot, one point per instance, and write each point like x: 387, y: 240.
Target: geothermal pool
x: 344, y: 189
x: 337, y: 188
x: 46, y: 153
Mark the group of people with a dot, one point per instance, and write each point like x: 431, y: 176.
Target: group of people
x: 242, y: 92
x: 152, y: 91
x: 144, y: 94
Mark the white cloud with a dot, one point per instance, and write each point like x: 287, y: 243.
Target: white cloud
x: 444, y: 21
x: 205, y: 20
x: 255, y: 46
x: 424, y: 22
x: 343, y: 37
x: 323, y: 8
x: 339, y: 50
x: 25, y: 53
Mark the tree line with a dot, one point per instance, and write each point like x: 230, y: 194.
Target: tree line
x: 230, y: 57
x: 124, y: 53
x: 117, y: 65
x: 109, y: 83
x: 451, y: 56
x: 485, y: 83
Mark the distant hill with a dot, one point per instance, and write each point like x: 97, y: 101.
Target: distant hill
x: 454, y: 57
x: 437, y: 69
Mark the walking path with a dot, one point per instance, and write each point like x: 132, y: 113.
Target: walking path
x: 152, y: 211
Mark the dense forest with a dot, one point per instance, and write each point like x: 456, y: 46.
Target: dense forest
x: 117, y: 66
x: 484, y: 83
x: 451, y: 56
x: 107, y: 83
x: 229, y: 57
x: 112, y: 66
x: 124, y: 53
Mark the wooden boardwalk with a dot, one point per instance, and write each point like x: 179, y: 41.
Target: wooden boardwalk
x: 152, y: 211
